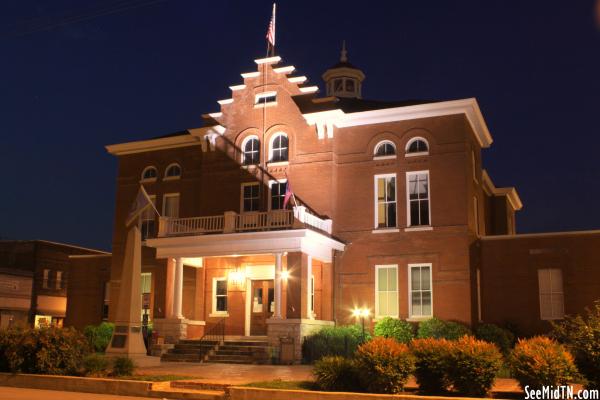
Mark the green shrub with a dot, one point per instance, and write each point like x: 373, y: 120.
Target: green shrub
x: 99, y: 335
x: 432, y: 362
x: 542, y: 361
x: 384, y: 365
x: 394, y: 328
x: 122, y: 366
x: 473, y: 366
x: 8, y: 340
x: 503, y: 338
x: 332, y: 341
x: 581, y: 335
x: 57, y: 351
x: 95, y: 365
x: 438, y: 329
x: 336, y: 373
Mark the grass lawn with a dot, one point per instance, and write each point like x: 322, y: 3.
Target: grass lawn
x: 283, y: 385
x: 157, y: 378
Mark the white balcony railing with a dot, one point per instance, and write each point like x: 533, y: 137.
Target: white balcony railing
x: 232, y: 222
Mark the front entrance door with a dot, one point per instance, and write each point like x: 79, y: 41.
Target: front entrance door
x: 262, y: 306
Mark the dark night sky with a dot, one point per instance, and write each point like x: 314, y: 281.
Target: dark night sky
x: 534, y: 67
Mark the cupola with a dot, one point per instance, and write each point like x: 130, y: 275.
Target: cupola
x: 344, y: 79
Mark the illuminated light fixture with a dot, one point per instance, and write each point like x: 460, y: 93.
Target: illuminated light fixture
x: 237, y: 277
x: 285, y: 275
x: 361, y: 312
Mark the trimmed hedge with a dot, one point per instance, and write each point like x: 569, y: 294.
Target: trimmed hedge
x: 542, y: 361
x: 332, y: 341
x: 439, y: 329
x: 99, y: 335
x: 122, y: 366
x: 394, y: 328
x: 432, y: 357
x: 336, y: 373
x: 384, y: 365
x: 95, y: 365
x: 503, y: 338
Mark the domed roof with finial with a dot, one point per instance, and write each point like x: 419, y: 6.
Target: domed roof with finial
x: 344, y: 63
x: 344, y: 79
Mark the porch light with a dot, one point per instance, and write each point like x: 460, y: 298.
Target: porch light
x: 237, y: 277
x: 285, y: 275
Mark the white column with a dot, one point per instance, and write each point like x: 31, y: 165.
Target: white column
x: 309, y: 313
x: 178, y: 289
x: 277, y: 313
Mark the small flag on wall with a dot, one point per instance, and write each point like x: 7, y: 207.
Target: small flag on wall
x: 141, y: 203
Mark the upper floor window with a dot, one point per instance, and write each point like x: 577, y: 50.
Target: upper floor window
x: 58, y: 283
x: 417, y: 146
x: 171, y: 205
x: 279, y: 147
x: 385, y: 148
x: 173, y: 171
x: 278, y: 195
x: 149, y: 174
x: 147, y: 220
x: 250, y: 196
x: 251, y: 151
x: 46, y: 279
x: 552, y: 298
x: 385, y: 196
x: 266, y: 98
x: 418, y: 198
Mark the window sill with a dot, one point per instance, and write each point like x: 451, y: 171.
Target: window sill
x: 393, y: 157
x: 277, y: 163
x: 419, y: 318
x: 264, y: 105
x: 249, y: 166
x: 171, y: 178
x: 418, y: 228
x: 153, y: 180
x: 218, y: 315
x: 386, y: 230
x: 419, y: 154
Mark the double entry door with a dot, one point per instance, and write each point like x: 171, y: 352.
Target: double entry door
x: 262, y: 306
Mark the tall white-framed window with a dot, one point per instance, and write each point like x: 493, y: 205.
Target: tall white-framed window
x: 420, y: 293
x: 417, y: 146
x: 171, y: 205
x: 173, y: 171
x: 279, y: 148
x: 277, y: 189
x: 149, y: 174
x: 219, y: 303
x: 385, y: 148
x: 58, y: 283
x: 417, y: 196
x: 250, y: 197
x: 148, y: 220
x: 251, y: 150
x: 386, y: 291
x: 552, y: 298
x: 385, y: 201
x: 146, y: 282
x: 46, y: 279
x: 476, y: 214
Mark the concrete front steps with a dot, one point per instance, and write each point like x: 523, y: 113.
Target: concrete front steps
x: 189, y: 350
x: 241, y: 351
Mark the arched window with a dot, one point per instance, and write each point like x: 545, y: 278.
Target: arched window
x: 279, y: 147
x: 173, y: 171
x: 149, y: 174
x: 251, y: 151
x: 417, y: 145
x: 385, y: 148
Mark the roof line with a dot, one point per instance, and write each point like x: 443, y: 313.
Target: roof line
x: 541, y: 234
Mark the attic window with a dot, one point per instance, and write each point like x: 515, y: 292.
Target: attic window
x: 265, y: 98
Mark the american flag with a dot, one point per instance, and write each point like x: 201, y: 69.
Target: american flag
x: 271, y: 30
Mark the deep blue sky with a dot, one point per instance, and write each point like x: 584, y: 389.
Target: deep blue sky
x: 534, y: 67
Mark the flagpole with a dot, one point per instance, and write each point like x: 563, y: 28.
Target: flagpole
x: 264, y: 121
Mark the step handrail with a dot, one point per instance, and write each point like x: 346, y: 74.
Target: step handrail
x: 215, y: 334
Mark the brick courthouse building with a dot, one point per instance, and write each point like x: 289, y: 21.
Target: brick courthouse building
x: 392, y: 212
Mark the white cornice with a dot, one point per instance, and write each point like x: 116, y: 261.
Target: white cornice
x: 237, y: 87
x: 539, y: 235
x: 510, y: 192
x: 284, y: 70
x: 297, y: 79
x: 250, y: 74
x: 225, y: 101
x: 268, y: 60
x: 309, y: 89
x: 153, y: 144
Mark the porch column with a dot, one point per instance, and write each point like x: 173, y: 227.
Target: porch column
x: 277, y: 313
x: 308, y: 293
x: 178, y: 289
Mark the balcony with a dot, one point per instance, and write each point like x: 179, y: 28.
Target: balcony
x: 232, y: 222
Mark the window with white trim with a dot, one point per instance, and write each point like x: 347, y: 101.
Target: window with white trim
x: 58, y: 283
x: 46, y: 279
x: 417, y: 186
x: 148, y: 220
x: 279, y: 148
x: 219, y: 296
x: 250, y: 197
x: 173, y: 171
x: 385, y: 148
x: 149, y: 174
x: 386, y: 291
x: 278, y: 194
x: 146, y: 282
x: 552, y: 298
x: 385, y: 201
x: 420, y: 293
x: 417, y: 145
x: 251, y: 151
x: 171, y: 205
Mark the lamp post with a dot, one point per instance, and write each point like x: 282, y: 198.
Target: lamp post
x: 361, y: 313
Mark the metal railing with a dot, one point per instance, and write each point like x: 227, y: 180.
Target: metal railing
x: 213, y: 337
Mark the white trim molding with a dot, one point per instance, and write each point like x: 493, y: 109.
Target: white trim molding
x: 412, y: 317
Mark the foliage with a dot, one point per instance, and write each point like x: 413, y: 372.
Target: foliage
x: 473, y: 366
x: 394, y: 328
x: 283, y: 385
x: 503, y: 338
x: 384, y: 365
x: 332, y: 341
x: 122, y: 366
x: 542, y: 361
x: 581, y: 335
x: 432, y: 362
x: 99, y: 335
x: 57, y: 351
x: 439, y: 329
x: 95, y: 365
x: 336, y: 373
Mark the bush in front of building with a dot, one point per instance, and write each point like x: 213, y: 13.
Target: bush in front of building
x: 394, y: 328
x: 95, y: 365
x: 122, y: 366
x: 439, y: 329
x: 432, y: 362
x: 581, y: 336
x: 58, y: 351
x: 384, y: 365
x: 99, y: 335
x: 473, y: 366
x: 332, y: 341
x: 337, y: 374
x: 8, y: 338
x: 503, y: 338
x: 541, y: 361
